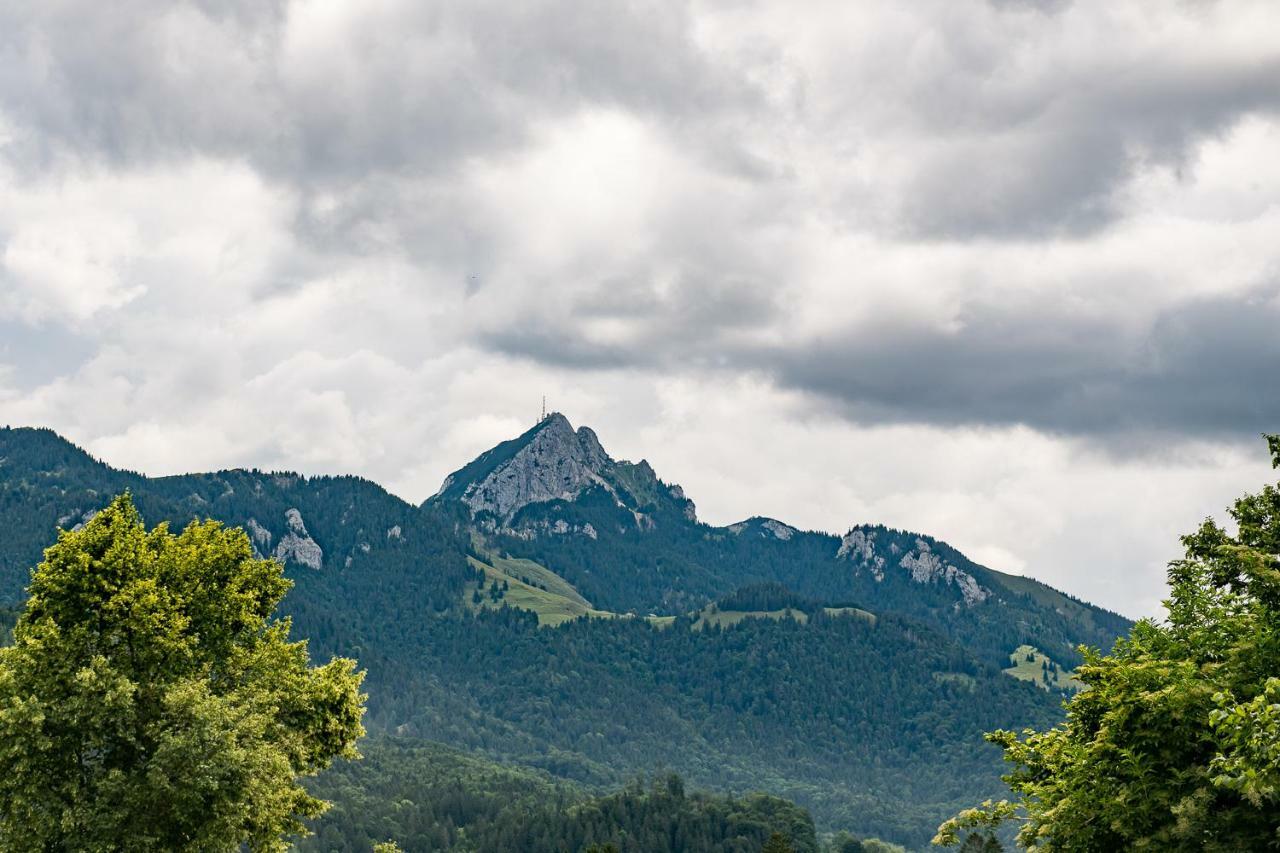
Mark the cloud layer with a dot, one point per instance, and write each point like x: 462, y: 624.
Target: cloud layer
x: 1005, y: 272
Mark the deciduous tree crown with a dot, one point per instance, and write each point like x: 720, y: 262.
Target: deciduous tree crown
x: 151, y: 703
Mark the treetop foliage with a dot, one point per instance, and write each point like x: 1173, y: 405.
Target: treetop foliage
x: 1176, y: 745
x: 150, y: 701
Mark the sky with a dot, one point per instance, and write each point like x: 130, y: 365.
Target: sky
x: 1006, y: 273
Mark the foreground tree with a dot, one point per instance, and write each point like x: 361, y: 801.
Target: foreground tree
x: 1176, y: 744
x: 150, y: 703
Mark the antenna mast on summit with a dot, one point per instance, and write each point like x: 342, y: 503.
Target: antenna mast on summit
x: 544, y: 409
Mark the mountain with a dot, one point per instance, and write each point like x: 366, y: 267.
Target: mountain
x: 854, y: 674
x: 630, y: 542
x: 552, y: 462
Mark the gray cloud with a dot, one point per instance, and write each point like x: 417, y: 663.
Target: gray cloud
x: 388, y: 126
x: 1203, y: 368
x: 1199, y: 369
x: 318, y: 93
x: 351, y: 236
x: 1024, y: 151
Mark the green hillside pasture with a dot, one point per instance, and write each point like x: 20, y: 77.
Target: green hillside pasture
x: 1033, y: 670
x: 851, y: 611
x: 560, y: 601
x: 539, y: 576
x: 725, y: 618
x: 551, y: 608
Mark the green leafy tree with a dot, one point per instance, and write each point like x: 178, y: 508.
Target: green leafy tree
x: 1176, y: 745
x: 776, y: 844
x: 150, y: 702
x: 875, y: 845
x: 844, y: 842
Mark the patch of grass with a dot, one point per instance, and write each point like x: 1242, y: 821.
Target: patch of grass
x: 1049, y: 597
x: 551, y: 608
x: 857, y: 612
x: 1028, y: 664
x: 532, y: 586
x: 537, y: 575
x: 725, y: 618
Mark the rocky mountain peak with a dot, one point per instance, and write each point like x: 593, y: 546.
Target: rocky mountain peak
x: 551, y: 461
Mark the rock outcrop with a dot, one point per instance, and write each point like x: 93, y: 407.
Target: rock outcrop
x: 553, y: 462
x: 860, y: 546
x: 259, y: 536
x: 297, y: 545
x: 557, y: 463
x: 769, y: 528
x: 927, y: 567
x: 922, y: 564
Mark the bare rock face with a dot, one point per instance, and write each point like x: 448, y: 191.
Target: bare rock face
x: 557, y: 463
x: 921, y: 563
x: 778, y: 529
x: 769, y: 528
x: 690, y: 509
x: 297, y: 544
x: 550, y: 462
x: 927, y: 567
x: 860, y: 546
x: 260, y: 536
x: 84, y: 519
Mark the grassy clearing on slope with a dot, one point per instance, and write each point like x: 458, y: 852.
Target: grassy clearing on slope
x: 532, y: 586
x: 725, y: 618
x: 1029, y: 665
x: 551, y: 608
x: 851, y: 611
x: 538, y: 576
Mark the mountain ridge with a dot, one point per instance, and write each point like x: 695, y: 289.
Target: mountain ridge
x: 606, y: 543
x: 553, y: 494
x: 868, y: 709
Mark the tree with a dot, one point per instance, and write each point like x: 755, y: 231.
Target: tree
x: 1175, y: 746
x: 151, y: 703
x: 844, y: 842
x: 776, y: 844
x: 875, y: 845
x: 981, y: 842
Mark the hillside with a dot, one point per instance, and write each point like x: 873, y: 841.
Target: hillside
x: 428, y: 797
x: 863, y: 699
x: 630, y: 542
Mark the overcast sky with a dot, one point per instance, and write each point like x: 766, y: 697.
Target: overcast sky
x: 1007, y: 273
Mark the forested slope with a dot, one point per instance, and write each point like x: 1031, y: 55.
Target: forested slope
x: 873, y: 723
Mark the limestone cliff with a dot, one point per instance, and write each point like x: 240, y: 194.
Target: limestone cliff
x: 553, y: 461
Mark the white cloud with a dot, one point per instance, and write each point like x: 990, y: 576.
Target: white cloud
x: 1000, y: 272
